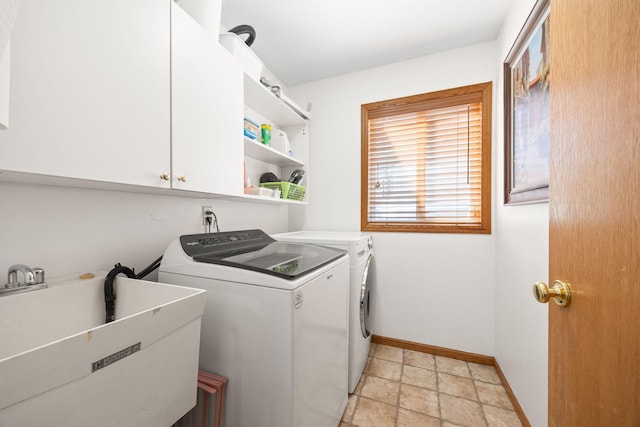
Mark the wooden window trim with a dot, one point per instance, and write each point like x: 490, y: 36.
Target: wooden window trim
x: 443, y: 98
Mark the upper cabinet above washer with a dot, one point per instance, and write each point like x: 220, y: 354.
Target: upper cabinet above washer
x: 123, y: 91
x: 207, y: 147
x: 133, y: 93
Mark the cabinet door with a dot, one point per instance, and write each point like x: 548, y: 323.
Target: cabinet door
x: 90, y: 91
x: 207, y: 121
x: 4, y: 86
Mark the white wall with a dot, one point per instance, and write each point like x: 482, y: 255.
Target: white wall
x: 71, y: 230
x: 521, y: 254
x: 425, y: 295
x: 435, y: 289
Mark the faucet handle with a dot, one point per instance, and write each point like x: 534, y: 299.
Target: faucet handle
x: 38, y: 273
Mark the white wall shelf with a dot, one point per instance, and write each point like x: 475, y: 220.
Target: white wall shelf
x: 256, y: 150
x: 283, y: 114
x: 272, y: 200
x: 259, y: 98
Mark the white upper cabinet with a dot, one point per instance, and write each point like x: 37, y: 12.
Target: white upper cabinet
x: 132, y: 92
x: 207, y: 107
x: 90, y: 91
x: 8, y: 12
x: 4, y: 86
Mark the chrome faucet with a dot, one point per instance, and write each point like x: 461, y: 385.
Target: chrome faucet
x: 29, y: 277
x: 33, y: 279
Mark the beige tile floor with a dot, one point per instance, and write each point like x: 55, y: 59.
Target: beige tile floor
x: 404, y: 388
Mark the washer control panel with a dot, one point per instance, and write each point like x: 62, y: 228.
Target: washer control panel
x: 220, y: 243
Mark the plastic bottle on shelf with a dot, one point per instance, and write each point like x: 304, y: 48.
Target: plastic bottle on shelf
x: 247, y: 181
x: 280, y: 141
x: 266, y: 134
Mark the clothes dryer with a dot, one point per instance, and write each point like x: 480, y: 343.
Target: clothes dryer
x: 362, y: 288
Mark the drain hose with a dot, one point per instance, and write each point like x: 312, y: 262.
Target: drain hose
x: 110, y: 292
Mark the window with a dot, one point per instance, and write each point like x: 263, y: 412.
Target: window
x: 426, y: 162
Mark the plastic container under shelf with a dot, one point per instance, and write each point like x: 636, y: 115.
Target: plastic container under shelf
x: 259, y: 191
x: 287, y: 190
x: 251, y: 128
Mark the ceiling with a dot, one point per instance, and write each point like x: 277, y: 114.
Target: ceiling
x: 306, y: 40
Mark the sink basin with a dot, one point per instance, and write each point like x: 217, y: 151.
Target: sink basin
x: 60, y: 364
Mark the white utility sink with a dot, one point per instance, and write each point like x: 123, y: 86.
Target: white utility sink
x: 61, y: 365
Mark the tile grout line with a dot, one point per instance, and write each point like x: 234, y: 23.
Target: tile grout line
x: 354, y: 409
x: 399, y: 391
x: 475, y: 388
x: 435, y: 370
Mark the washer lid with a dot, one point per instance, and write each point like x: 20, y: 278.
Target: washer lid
x: 255, y: 250
x: 359, y: 245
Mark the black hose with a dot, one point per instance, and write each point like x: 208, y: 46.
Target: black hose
x: 245, y: 29
x: 110, y: 292
x: 154, y: 265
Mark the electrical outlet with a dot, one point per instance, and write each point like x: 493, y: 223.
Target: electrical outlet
x: 207, y: 218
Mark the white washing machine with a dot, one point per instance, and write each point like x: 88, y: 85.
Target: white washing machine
x: 361, y: 288
x: 275, y: 323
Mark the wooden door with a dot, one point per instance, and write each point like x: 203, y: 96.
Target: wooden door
x: 594, y: 344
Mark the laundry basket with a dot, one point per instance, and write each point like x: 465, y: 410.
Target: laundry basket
x: 287, y: 190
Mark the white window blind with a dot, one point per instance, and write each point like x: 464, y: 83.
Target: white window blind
x: 424, y: 163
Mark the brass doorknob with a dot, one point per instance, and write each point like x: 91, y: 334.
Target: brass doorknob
x: 560, y: 292
x: 165, y: 176
x: 182, y: 178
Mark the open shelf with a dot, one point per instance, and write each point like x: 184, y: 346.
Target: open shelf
x: 259, y: 98
x: 256, y: 150
x: 265, y: 199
